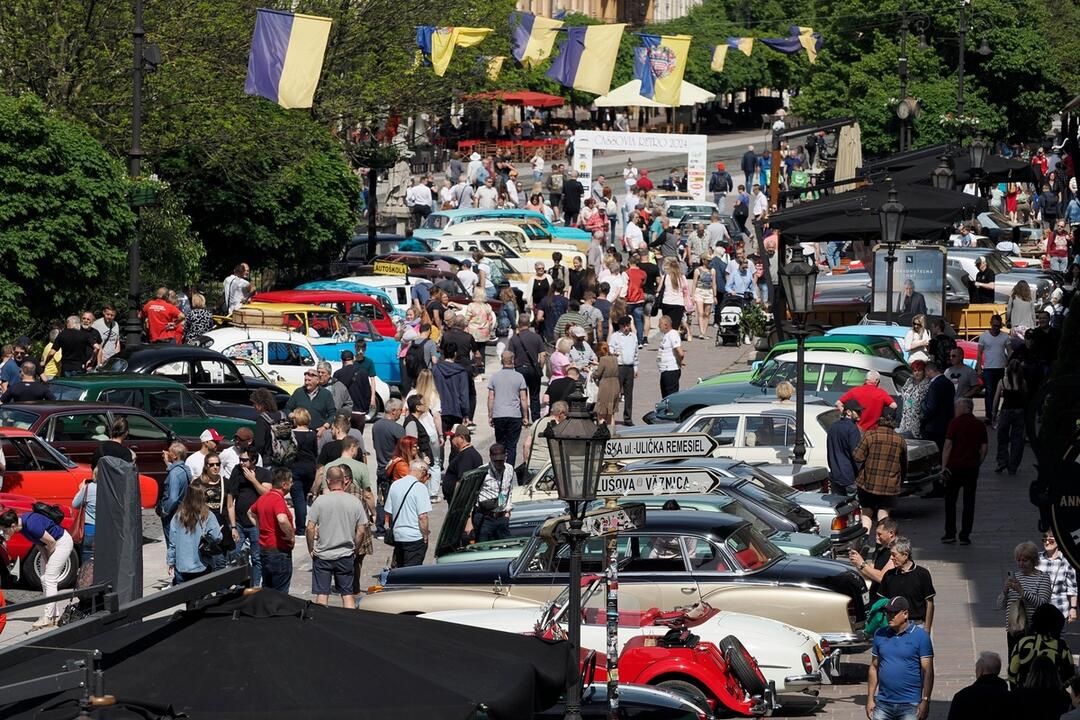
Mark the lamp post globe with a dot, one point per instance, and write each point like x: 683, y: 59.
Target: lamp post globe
x: 943, y: 177
x: 977, y: 153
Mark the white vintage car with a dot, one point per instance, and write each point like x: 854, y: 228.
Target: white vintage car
x: 793, y: 658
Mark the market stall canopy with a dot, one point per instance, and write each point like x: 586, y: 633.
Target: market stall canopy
x: 629, y: 95
x: 310, y: 661
x: 520, y: 97
x: 915, y: 166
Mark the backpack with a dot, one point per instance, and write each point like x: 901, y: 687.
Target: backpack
x: 282, y: 443
x: 53, y: 512
x: 414, y: 360
x: 502, y: 328
x: 875, y: 617
x: 1057, y: 317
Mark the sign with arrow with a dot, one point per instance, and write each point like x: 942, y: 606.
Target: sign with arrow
x: 656, y: 482
x: 670, y: 445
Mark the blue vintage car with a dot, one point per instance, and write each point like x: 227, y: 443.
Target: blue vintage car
x: 437, y: 222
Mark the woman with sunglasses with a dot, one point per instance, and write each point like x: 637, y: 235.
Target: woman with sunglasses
x: 406, y: 451
x: 1063, y: 591
x: 917, y: 340
x: 212, y: 483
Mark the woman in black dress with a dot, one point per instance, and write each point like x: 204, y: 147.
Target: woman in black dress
x: 303, y: 466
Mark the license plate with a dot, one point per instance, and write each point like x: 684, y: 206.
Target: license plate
x: 820, y: 655
x: 866, y: 599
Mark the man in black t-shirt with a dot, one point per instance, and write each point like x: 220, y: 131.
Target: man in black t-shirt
x: 909, y: 581
x: 559, y: 388
x: 464, y: 458
x: 984, y: 282
x: 244, y: 486
x: 529, y: 354
x: 454, y: 333
x: 27, y: 388
x: 75, y: 347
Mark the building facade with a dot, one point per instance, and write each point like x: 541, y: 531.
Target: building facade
x: 633, y: 12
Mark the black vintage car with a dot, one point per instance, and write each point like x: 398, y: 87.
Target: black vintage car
x: 205, y: 372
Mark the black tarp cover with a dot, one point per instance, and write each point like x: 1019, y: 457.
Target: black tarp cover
x: 118, y: 532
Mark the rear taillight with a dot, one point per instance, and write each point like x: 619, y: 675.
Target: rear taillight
x: 840, y: 522
x: 807, y: 665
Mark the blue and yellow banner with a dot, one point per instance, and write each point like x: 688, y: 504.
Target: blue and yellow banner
x: 532, y: 37
x: 286, y: 57
x: 438, y: 43
x: 587, y: 58
x: 661, y: 67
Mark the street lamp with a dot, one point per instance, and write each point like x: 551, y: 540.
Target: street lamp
x: 577, y: 447
x: 891, y: 214
x: 943, y: 177
x: 799, y: 279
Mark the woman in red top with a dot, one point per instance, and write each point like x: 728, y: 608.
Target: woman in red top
x: 1057, y: 247
x: 406, y: 451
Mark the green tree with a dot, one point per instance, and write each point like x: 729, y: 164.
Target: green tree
x: 65, y: 219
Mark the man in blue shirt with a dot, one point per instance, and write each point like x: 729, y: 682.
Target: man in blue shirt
x: 741, y: 282
x: 901, y: 668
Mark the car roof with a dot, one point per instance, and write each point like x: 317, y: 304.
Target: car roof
x: 766, y: 405
x: 865, y: 362
x: 891, y: 331
x: 688, y: 201
x: 51, y: 407
x: 469, y: 228
x: 252, y: 332
x: 488, y: 212
x: 168, y: 351
x: 112, y: 379
x: 379, y: 281
x: 287, y: 307
x: 678, y: 521
x: 842, y: 339
x: 317, y: 295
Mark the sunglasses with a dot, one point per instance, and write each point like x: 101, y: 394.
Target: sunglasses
x: 245, y: 460
x: 213, y: 464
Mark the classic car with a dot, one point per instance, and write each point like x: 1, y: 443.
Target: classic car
x: 851, y: 344
x: 489, y: 239
x: 76, y: 429
x: 502, y: 272
x: 37, y: 469
x: 23, y: 559
x: 288, y: 354
x: 765, y: 432
x: 437, y: 222
x: 675, y: 209
x: 378, y: 293
x: 675, y: 559
x: 522, y: 236
x: 790, y: 657
x: 636, y: 702
x: 356, y: 307
x: 358, y: 251
x: 171, y: 403
x: 897, y: 333
x: 828, y: 375
x: 205, y: 372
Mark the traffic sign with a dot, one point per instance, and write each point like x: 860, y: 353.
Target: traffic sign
x: 384, y: 267
x: 610, y: 521
x: 670, y: 445
x: 655, y: 482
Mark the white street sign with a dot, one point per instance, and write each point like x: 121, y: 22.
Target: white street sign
x: 671, y: 445
x: 660, y: 482
x: 624, y: 517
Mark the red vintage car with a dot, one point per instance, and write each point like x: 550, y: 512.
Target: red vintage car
x: 355, y: 306
x: 21, y: 557
x: 38, y: 470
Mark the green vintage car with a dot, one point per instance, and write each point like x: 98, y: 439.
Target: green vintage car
x: 859, y: 344
x: 176, y: 407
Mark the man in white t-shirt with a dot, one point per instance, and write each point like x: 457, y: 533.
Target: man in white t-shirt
x: 633, y: 239
x: 109, y: 330
x: 467, y: 277
x: 671, y: 359
x: 237, y: 288
x: 486, y: 195
x: 196, y: 460
x: 994, y: 348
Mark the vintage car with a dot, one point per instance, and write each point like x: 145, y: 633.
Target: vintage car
x: 205, y: 372
x: 765, y: 432
x: 437, y: 223
x: 384, y: 298
x: 76, y: 429
x: 356, y: 307
x: 23, y: 559
x: 897, y: 333
x: 828, y: 375
x: 171, y: 403
x: 492, y: 239
x: 675, y: 559
x: 792, y: 658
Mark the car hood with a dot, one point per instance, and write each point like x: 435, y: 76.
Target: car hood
x: 638, y: 430
x: 823, y: 572
x: 452, y: 535
x: 740, y: 376
x: 480, y: 572
x: 919, y: 449
x: 515, y: 620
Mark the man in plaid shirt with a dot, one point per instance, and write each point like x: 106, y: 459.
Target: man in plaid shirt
x: 1062, y: 577
x: 883, y: 456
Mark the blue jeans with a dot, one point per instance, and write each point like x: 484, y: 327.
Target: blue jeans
x: 507, y: 433
x: 637, y: 311
x: 895, y: 711
x: 1060, y: 264
x: 832, y: 253
x: 249, y: 538
x: 276, y: 570
x: 299, y: 501
x: 86, y: 548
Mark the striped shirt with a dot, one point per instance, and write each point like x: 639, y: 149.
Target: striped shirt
x: 1062, y: 580
x: 1036, y: 587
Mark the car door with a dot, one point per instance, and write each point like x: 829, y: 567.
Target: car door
x: 768, y: 437
x: 77, y: 434
x: 217, y: 379
x: 723, y: 428
x: 32, y: 470
x: 176, y: 409
x: 655, y: 566
x: 148, y: 440
x: 289, y: 359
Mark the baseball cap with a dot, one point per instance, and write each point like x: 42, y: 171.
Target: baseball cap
x: 897, y: 604
x: 578, y: 331
x: 853, y: 405
x: 244, y: 434
x: 462, y: 431
x: 211, y: 434
x: 466, y: 263
x: 347, y: 355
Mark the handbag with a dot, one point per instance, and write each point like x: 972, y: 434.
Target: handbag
x: 78, y: 525
x: 388, y: 538
x: 1016, y: 617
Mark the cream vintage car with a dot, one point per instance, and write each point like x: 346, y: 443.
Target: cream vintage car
x: 675, y: 559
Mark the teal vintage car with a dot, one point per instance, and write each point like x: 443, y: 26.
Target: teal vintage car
x: 169, y: 402
x: 883, y: 347
x: 437, y: 222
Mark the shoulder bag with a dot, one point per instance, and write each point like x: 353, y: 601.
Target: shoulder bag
x: 388, y: 538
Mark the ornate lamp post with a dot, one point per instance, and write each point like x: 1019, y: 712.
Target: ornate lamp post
x: 799, y: 279
x: 577, y: 447
x: 943, y: 177
x: 892, y: 214
x: 977, y: 153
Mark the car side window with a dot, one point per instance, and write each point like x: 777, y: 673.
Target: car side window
x: 179, y: 370
x: 84, y: 427
x: 251, y: 350
x: 652, y: 553
x: 16, y: 456
x: 131, y: 397
x: 215, y: 372
x: 837, y: 378
x: 291, y: 354
x: 42, y: 458
x: 168, y: 403
x: 705, y: 557
x: 769, y: 431
x: 723, y: 427
x: 140, y: 428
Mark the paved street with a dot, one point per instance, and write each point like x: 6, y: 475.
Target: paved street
x: 967, y: 578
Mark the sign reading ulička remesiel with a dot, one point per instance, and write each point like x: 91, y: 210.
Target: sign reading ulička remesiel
x: 671, y: 445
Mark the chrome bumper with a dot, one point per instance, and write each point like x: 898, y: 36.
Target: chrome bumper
x: 848, y: 642
x: 802, y: 682
x: 765, y: 705
x: 830, y: 668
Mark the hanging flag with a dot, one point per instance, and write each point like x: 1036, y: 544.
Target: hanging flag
x: 587, y: 58
x: 286, y: 57
x: 559, y: 14
x: 494, y: 66
x: 438, y: 43
x: 532, y: 37
x: 742, y: 44
x: 719, y: 55
x: 801, y: 38
x: 659, y: 64
x: 810, y: 40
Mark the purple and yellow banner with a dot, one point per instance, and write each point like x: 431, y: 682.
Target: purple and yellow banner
x: 587, y: 58
x: 532, y: 37
x: 286, y: 57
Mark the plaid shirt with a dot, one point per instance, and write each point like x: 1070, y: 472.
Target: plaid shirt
x: 883, y: 455
x: 1062, y: 580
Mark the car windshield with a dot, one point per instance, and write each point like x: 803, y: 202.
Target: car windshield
x: 435, y: 222
x: 677, y: 211
x: 1000, y: 220
x: 755, y: 490
x: 115, y: 365
x: 737, y: 509
x: 12, y: 418
x: 998, y: 262
x: 67, y: 392
x: 762, y: 478
x: 751, y: 549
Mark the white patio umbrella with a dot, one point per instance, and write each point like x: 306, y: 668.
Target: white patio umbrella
x: 629, y: 95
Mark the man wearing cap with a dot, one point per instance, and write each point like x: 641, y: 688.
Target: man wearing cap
x: 901, y: 668
x: 209, y: 439
x: 883, y: 455
x: 508, y: 405
x: 230, y: 456
x: 491, y: 517
x: 581, y: 354
x: 464, y: 458
x: 840, y: 443
x: 317, y: 400
x: 872, y: 398
x: 624, y: 346
x: 356, y: 374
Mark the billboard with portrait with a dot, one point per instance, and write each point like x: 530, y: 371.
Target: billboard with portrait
x: 918, y: 281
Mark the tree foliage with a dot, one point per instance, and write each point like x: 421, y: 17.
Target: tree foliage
x: 64, y: 218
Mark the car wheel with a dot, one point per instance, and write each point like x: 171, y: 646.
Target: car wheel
x: 374, y: 412
x: 33, y: 567
x: 687, y: 691
x: 743, y: 666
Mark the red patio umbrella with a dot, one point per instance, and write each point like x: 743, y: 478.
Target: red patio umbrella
x: 520, y: 97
